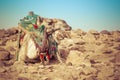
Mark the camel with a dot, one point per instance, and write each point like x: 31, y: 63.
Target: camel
x: 29, y: 50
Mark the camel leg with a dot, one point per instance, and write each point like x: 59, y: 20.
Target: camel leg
x: 58, y: 57
x: 47, y: 58
x: 42, y: 58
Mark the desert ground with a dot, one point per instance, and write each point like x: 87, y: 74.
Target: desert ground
x: 90, y: 55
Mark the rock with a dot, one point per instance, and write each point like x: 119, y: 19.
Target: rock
x: 45, y: 78
x: 117, y: 78
x: 13, y: 37
x: 93, y: 32
x: 63, y: 52
x: 2, y: 70
x: 78, y: 48
x: 4, y: 55
x: 6, y: 35
x: 33, y: 69
x: 117, y: 47
x: 69, y: 64
x: 107, y: 51
x: 90, y: 78
x: 109, y: 44
x: 78, y: 32
x: 66, y: 42
x: 98, y: 43
x: 105, y: 32
x: 2, y: 64
x: 10, y: 48
x: 11, y: 31
x: 2, y: 49
x: 89, y: 38
x: 117, y: 58
x: 22, y: 78
x: 4, y: 42
x: 74, y: 57
x: 93, y: 61
x: 2, y: 32
x: 78, y: 41
x: 105, y: 72
x: 57, y: 78
x: 17, y: 66
x: 89, y: 70
x: 117, y: 40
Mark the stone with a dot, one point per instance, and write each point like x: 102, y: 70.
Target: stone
x: 117, y: 40
x: 10, y: 48
x: 89, y: 38
x: 2, y: 63
x: 63, y: 53
x: 69, y: 64
x: 2, y: 70
x: 4, y: 42
x: 78, y: 41
x: 11, y: 31
x: 22, y: 78
x: 107, y: 51
x: 2, y: 49
x: 17, y: 66
x: 74, y: 57
x: 92, y: 61
x: 105, y: 32
x: 117, y: 58
x: 78, y: 48
x: 2, y: 32
x: 4, y: 55
x: 89, y: 71
x: 90, y: 78
x: 93, y: 32
x: 117, y: 47
x: 13, y: 37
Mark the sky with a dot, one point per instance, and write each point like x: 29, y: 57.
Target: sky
x: 82, y: 14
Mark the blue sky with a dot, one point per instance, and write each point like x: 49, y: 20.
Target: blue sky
x: 83, y: 14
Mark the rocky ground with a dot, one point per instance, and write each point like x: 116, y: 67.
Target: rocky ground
x: 88, y: 55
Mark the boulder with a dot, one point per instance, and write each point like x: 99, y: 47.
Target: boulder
x: 4, y: 55
x: 117, y: 59
x: 117, y: 47
x: 105, y: 32
x: 89, y: 38
x: 78, y: 41
x: 3, y: 42
x: 79, y: 32
x: 2, y: 32
x: 117, y: 40
x: 90, y: 78
x: 66, y: 42
x: 74, y: 57
x: 2, y: 49
x: 93, y: 32
x: 78, y: 48
x: 10, y: 48
x: 2, y: 63
x: 2, y: 70
x: 22, y: 78
x: 13, y: 37
x: 11, y: 31
x: 64, y: 53
x: 107, y: 51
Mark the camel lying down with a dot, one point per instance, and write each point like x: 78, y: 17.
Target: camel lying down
x: 29, y: 50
